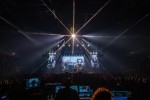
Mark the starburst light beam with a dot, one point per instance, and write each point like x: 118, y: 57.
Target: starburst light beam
x: 73, y: 30
x: 73, y: 35
x: 63, y: 45
x: 93, y: 16
x: 56, y: 17
x: 126, y: 30
x: 20, y: 31
x: 73, y: 45
x: 73, y: 16
x: 42, y: 33
x: 83, y: 46
x: 39, y: 66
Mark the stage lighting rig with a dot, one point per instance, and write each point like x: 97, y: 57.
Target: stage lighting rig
x: 73, y: 35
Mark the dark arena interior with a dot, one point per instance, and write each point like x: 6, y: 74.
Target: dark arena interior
x: 96, y: 43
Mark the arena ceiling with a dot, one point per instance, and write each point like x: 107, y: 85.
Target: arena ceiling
x: 27, y: 26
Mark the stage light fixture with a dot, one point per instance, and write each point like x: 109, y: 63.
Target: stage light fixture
x: 73, y: 35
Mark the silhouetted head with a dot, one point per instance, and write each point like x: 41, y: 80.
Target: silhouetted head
x: 102, y: 94
x: 68, y: 82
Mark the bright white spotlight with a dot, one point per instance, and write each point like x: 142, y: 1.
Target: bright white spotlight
x: 73, y: 35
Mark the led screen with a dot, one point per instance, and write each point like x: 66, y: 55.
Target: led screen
x: 120, y: 98
x: 85, y: 92
x: 120, y: 95
x: 61, y: 87
x: 72, y: 63
x: 94, y: 61
x: 32, y: 83
x: 57, y: 88
x: 51, y: 61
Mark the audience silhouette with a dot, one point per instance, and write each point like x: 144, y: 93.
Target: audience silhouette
x: 102, y: 94
x: 67, y: 93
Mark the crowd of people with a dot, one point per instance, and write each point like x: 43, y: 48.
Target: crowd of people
x: 138, y: 84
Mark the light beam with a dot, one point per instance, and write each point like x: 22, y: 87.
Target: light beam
x: 20, y: 31
x: 63, y: 44
x: 73, y: 16
x: 93, y: 16
x: 73, y: 35
x: 56, y: 16
x: 83, y: 46
x: 126, y: 30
